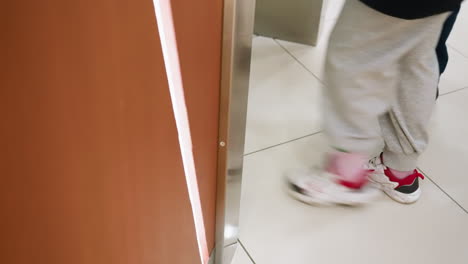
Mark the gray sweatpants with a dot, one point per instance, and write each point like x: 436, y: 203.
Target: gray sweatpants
x: 381, y: 75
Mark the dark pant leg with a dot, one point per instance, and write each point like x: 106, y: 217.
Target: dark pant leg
x: 441, y: 49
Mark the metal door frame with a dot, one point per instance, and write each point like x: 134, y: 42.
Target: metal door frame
x: 238, y: 24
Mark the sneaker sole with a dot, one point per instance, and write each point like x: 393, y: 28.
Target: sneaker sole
x: 403, y: 197
x: 365, y: 199
x: 307, y: 199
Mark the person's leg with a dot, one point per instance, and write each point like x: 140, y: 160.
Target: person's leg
x: 361, y: 79
x: 361, y: 76
x: 404, y: 127
x: 364, y: 70
x: 441, y: 49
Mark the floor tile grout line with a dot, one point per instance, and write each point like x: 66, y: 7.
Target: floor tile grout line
x: 228, y: 245
x: 440, y: 188
x: 298, y: 61
x: 246, y: 252
x: 457, y: 50
x: 282, y: 143
x: 451, y: 92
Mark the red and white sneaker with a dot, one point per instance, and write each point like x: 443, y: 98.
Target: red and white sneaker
x: 404, y: 190
x: 321, y: 187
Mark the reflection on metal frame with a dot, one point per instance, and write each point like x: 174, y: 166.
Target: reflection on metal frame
x: 236, y: 51
x: 165, y: 23
x: 292, y: 20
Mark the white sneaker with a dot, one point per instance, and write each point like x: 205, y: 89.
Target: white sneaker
x: 404, y: 190
x: 323, y: 188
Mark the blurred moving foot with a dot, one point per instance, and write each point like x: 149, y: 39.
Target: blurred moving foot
x: 321, y: 187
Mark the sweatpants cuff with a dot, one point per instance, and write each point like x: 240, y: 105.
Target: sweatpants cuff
x: 370, y: 147
x: 400, y: 162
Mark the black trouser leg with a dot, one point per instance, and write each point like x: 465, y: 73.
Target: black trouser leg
x: 441, y: 49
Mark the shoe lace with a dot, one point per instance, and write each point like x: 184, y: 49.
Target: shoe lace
x: 375, y: 164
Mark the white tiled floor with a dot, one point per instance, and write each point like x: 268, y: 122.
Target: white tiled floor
x: 446, y: 159
x: 283, y: 97
x: 277, y: 229
x: 283, y: 121
x: 456, y: 74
